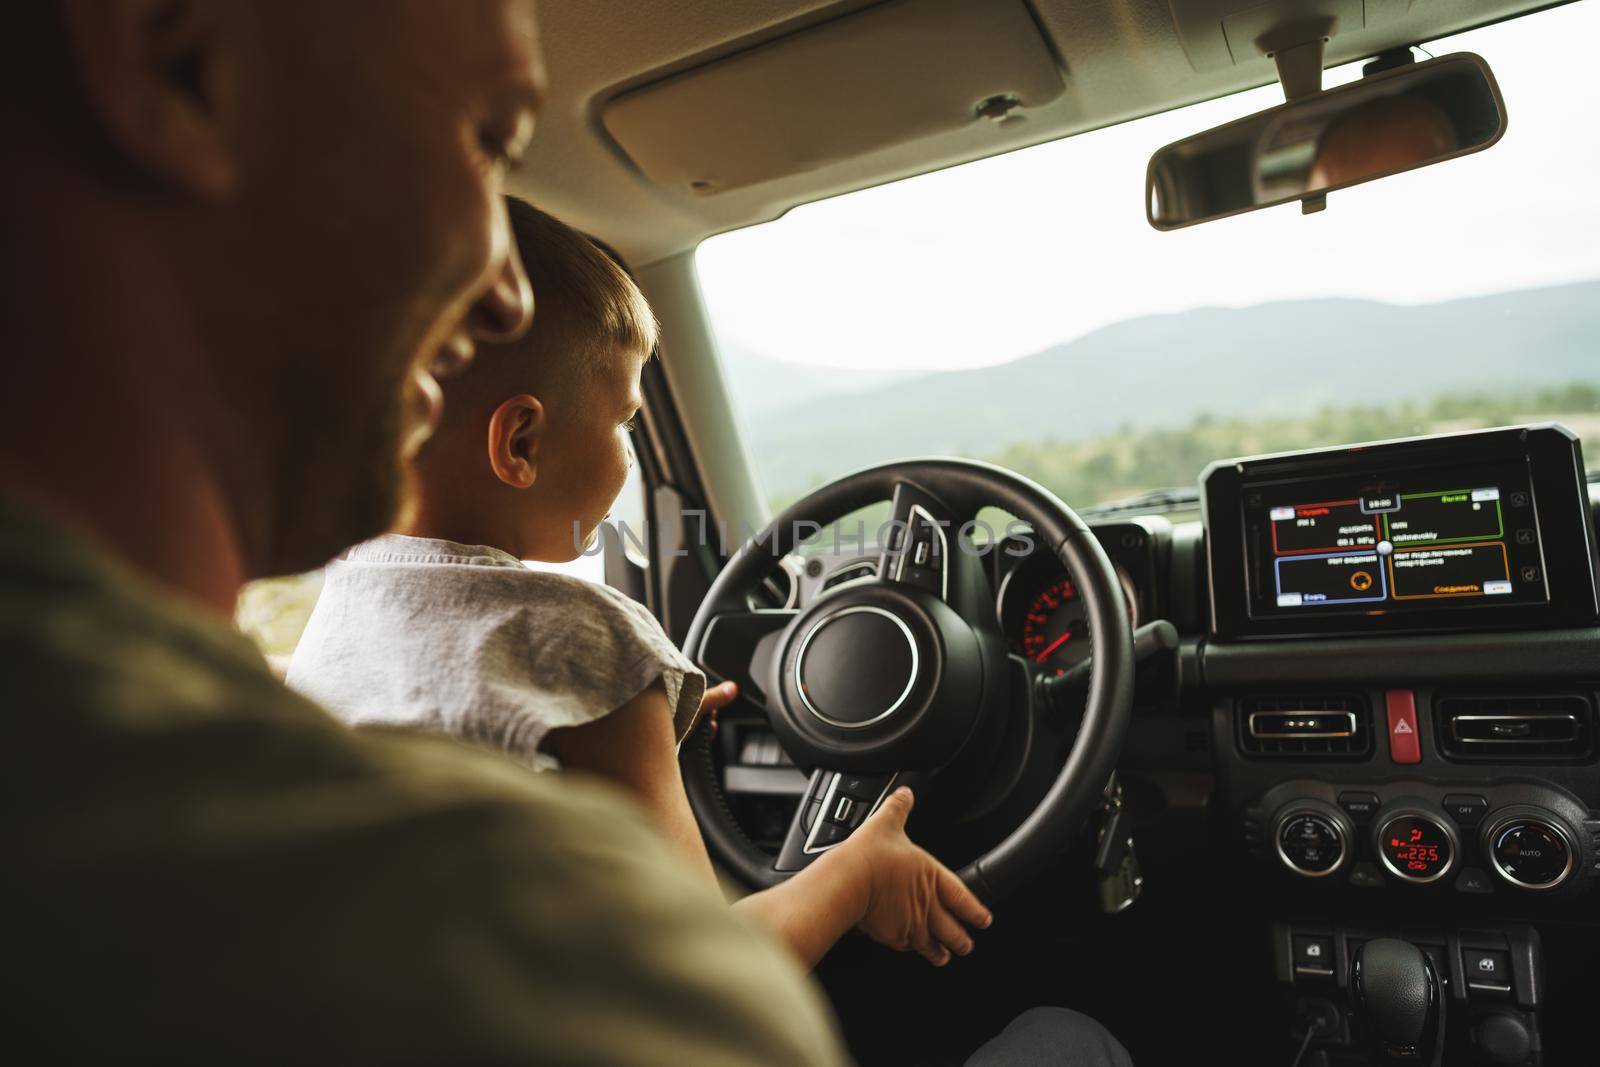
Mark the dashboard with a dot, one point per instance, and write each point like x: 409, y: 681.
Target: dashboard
x: 1383, y: 715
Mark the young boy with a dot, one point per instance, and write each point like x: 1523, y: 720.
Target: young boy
x: 433, y: 628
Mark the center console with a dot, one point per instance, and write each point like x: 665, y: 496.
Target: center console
x: 1490, y: 980
x: 1477, y: 839
x: 1405, y: 706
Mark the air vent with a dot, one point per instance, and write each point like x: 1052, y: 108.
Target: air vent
x: 851, y: 572
x: 1515, y: 727
x: 1305, y: 726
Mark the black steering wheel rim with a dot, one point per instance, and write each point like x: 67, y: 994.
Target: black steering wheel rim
x: 966, y: 485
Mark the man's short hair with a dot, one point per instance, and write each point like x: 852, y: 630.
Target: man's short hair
x: 585, y: 307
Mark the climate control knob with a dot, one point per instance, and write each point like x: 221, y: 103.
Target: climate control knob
x: 1530, y: 849
x: 1312, y: 838
x: 1415, y: 842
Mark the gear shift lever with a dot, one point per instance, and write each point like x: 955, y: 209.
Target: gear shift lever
x: 1397, y: 1002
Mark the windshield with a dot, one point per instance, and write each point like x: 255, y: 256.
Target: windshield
x: 1020, y: 309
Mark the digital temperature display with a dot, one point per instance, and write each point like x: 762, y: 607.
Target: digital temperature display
x: 1415, y: 848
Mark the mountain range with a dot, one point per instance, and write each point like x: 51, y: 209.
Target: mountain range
x: 1273, y: 360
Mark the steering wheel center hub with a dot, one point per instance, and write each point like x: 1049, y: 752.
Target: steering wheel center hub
x: 881, y: 677
x: 856, y: 667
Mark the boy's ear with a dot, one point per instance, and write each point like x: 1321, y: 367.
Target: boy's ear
x: 515, y: 430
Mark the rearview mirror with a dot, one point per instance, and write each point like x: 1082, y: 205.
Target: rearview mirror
x: 1403, y: 118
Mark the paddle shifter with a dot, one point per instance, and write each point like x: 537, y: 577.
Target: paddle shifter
x: 1396, y: 1002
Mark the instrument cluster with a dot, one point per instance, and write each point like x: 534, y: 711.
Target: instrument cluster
x: 1038, y: 604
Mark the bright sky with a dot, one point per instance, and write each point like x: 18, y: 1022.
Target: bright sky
x: 998, y: 259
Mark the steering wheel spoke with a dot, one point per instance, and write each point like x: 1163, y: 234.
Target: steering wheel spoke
x: 742, y: 647
x: 918, y: 542
x: 835, y: 804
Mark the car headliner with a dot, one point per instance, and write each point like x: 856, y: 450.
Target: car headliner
x: 1120, y: 59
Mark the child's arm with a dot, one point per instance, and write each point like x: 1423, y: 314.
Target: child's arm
x: 881, y: 881
x: 877, y: 879
x: 634, y: 747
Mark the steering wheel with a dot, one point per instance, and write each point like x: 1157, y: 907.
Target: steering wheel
x: 906, y: 674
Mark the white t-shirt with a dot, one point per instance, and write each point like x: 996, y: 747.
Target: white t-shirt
x: 465, y: 640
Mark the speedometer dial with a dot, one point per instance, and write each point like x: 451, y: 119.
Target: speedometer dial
x: 1045, y: 618
x: 1055, y: 630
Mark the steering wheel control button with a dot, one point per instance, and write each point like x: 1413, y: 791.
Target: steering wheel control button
x: 1530, y: 853
x: 1313, y: 956
x: 1310, y: 843
x: 922, y: 563
x: 856, y: 667
x: 1473, y: 880
x: 1361, y: 806
x: 867, y: 787
x: 1404, y: 748
x: 845, y: 802
x: 1465, y: 808
x: 1416, y: 846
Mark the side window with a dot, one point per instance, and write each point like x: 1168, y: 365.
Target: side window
x: 273, y: 612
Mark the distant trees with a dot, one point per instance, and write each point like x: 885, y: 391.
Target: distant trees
x: 1105, y: 468
x: 1133, y: 460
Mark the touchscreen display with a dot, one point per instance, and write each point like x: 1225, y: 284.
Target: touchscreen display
x: 1457, y: 537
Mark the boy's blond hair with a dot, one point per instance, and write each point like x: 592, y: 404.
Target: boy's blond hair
x: 585, y: 307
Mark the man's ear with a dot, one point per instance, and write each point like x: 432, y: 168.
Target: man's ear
x: 515, y: 430
x: 161, y: 77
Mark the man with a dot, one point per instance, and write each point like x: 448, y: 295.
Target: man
x: 243, y: 237
x: 1381, y: 136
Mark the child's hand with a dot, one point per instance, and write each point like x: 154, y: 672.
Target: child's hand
x: 914, y: 901
x: 717, y: 697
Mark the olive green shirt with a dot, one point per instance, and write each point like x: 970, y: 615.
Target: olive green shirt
x: 201, y: 866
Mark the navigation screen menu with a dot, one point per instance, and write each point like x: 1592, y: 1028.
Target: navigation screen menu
x: 1456, y: 537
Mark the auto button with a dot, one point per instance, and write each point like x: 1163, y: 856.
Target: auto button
x: 1530, y: 852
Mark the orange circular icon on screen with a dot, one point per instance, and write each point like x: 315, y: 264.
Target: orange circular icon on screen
x: 1361, y: 581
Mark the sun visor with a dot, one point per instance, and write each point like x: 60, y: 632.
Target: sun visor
x: 889, y: 74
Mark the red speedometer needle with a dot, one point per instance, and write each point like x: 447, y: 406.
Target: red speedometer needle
x: 1057, y: 643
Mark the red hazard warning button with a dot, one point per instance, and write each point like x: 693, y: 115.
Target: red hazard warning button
x: 1403, y: 746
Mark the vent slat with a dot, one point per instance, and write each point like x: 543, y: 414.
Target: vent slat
x: 1354, y: 747
x: 1515, y: 727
